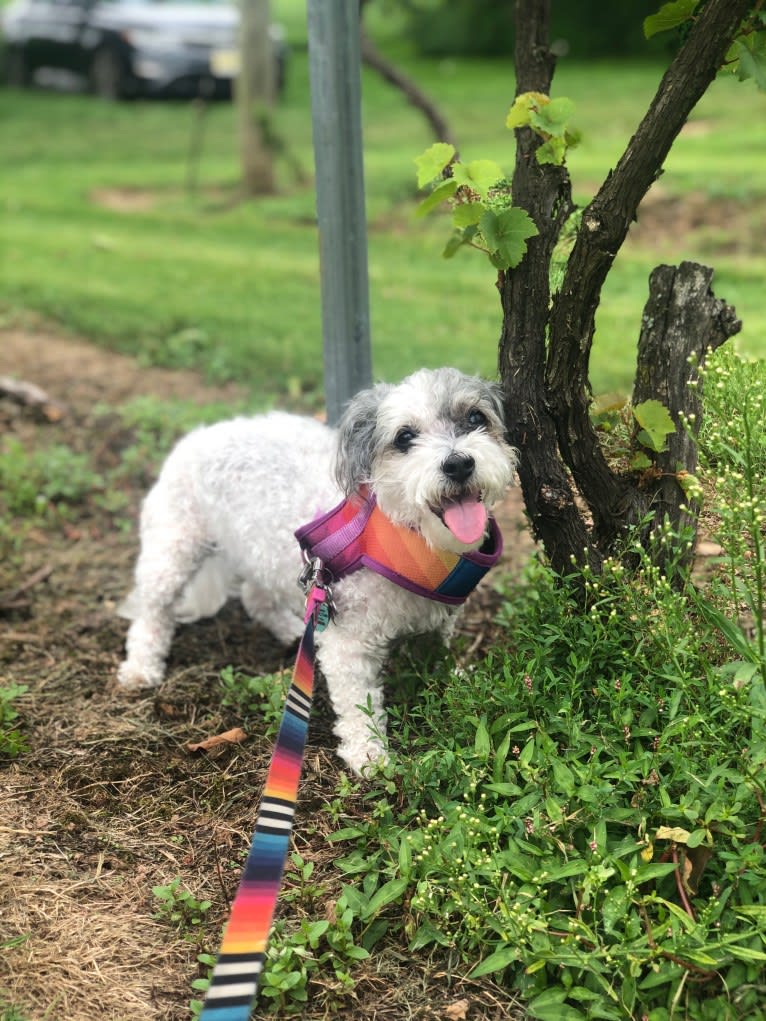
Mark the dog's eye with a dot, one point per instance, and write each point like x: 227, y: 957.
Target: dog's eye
x: 476, y: 418
x: 404, y: 439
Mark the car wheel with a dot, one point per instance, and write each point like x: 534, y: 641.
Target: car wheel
x: 18, y: 73
x: 109, y: 78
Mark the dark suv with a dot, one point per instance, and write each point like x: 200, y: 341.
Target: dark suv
x: 126, y: 48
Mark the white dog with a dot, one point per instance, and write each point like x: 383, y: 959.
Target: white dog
x: 429, y: 456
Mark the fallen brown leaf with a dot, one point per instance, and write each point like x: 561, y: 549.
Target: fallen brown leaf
x: 457, y: 1011
x: 234, y: 736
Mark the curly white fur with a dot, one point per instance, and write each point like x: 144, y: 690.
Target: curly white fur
x: 220, y: 520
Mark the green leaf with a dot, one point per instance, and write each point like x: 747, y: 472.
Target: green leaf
x: 656, y: 424
x: 457, y: 239
x: 478, y: 175
x: 481, y: 743
x: 523, y: 106
x: 551, y: 152
x: 387, y: 894
x: 668, y: 17
x: 467, y: 214
x: 564, y: 777
x: 432, y: 162
x: 749, y: 53
x: 640, y: 461
x: 746, y: 954
x: 552, y: 117
x: 428, y: 934
x: 615, y: 907
x: 696, y: 837
x: 506, y: 234
x: 440, y: 194
x: 496, y: 962
x: 550, y: 1006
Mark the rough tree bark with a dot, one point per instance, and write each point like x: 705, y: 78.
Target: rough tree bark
x: 681, y: 323
x: 546, y: 339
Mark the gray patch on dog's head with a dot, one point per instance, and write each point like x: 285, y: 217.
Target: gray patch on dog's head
x: 357, y: 438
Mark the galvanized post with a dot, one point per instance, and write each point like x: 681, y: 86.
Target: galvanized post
x: 334, y: 61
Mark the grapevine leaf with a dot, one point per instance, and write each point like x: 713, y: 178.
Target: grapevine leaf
x: 457, y: 239
x: 441, y: 192
x: 640, y: 462
x: 432, y: 162
x: 467, y: 214
x: 552, y: 151
x: 478, y: 175
x: 669, y: 16
x: 656, y: 424
x: 506, y: 235
x: 523, y: 105
x: 552, y: 117
x: 749, y: 55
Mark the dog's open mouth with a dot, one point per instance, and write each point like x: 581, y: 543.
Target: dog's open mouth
x: 466, y: 518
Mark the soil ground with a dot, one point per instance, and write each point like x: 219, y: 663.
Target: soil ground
x: 108, y: 802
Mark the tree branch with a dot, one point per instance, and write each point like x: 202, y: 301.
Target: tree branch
x: 605, y: 224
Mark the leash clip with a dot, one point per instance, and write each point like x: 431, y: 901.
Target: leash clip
x: 320, y: 605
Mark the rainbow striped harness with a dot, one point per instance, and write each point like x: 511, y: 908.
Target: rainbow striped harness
x: 353, y: 535
x: 358, y: 534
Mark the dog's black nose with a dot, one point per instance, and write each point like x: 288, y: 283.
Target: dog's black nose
x: 458, y: 467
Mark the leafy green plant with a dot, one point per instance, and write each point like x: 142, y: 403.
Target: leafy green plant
x: 325, y: 946
x: 583, y: 811
x: 180, y: 908
x: 483, y: 215
x: 261, y: 697
x: 12, y: 741
x: 201, y: 984
x: 45, y: 481
x: 11, y: 1013
x: 733, y: 456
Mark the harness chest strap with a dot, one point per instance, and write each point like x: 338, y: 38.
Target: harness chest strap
x: 357, y: 534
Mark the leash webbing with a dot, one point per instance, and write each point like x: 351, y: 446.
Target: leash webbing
x: 234, y: 984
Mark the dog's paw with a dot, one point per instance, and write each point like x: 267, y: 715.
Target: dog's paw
x: 132, y: 678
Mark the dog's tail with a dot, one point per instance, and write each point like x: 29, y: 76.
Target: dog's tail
x: 203, y: 596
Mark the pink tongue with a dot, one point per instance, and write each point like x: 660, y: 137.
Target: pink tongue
x: 466, y: 519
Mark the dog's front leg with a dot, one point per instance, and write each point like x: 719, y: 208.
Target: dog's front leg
x: 352, y: 665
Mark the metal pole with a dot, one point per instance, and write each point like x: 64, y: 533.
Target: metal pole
x: 334, y: 62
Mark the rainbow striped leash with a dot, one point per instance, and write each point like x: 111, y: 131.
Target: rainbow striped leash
x: 234, y: 984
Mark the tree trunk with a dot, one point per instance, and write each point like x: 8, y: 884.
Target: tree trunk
x: 255, y: 91
x: 546, y: 339
x: 681, y: 324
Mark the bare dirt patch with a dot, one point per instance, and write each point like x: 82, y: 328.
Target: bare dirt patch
x: 724, y: 225
x: 107, y: 801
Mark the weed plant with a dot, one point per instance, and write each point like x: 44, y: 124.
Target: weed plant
x: 580, y: 814
x: 12, y: 741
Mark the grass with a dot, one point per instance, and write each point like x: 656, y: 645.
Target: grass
x: 102, y: 236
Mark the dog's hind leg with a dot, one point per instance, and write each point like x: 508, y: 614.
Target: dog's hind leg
x: 172, y: 551
x: 273, y: 610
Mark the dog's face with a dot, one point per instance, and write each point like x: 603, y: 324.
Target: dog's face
x: 432, y: 450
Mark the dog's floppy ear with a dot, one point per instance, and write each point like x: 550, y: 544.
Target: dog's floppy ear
x: 356, y: 438
x: 496, y: 397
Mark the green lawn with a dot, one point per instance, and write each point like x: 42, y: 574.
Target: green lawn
x: 101, y: 235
